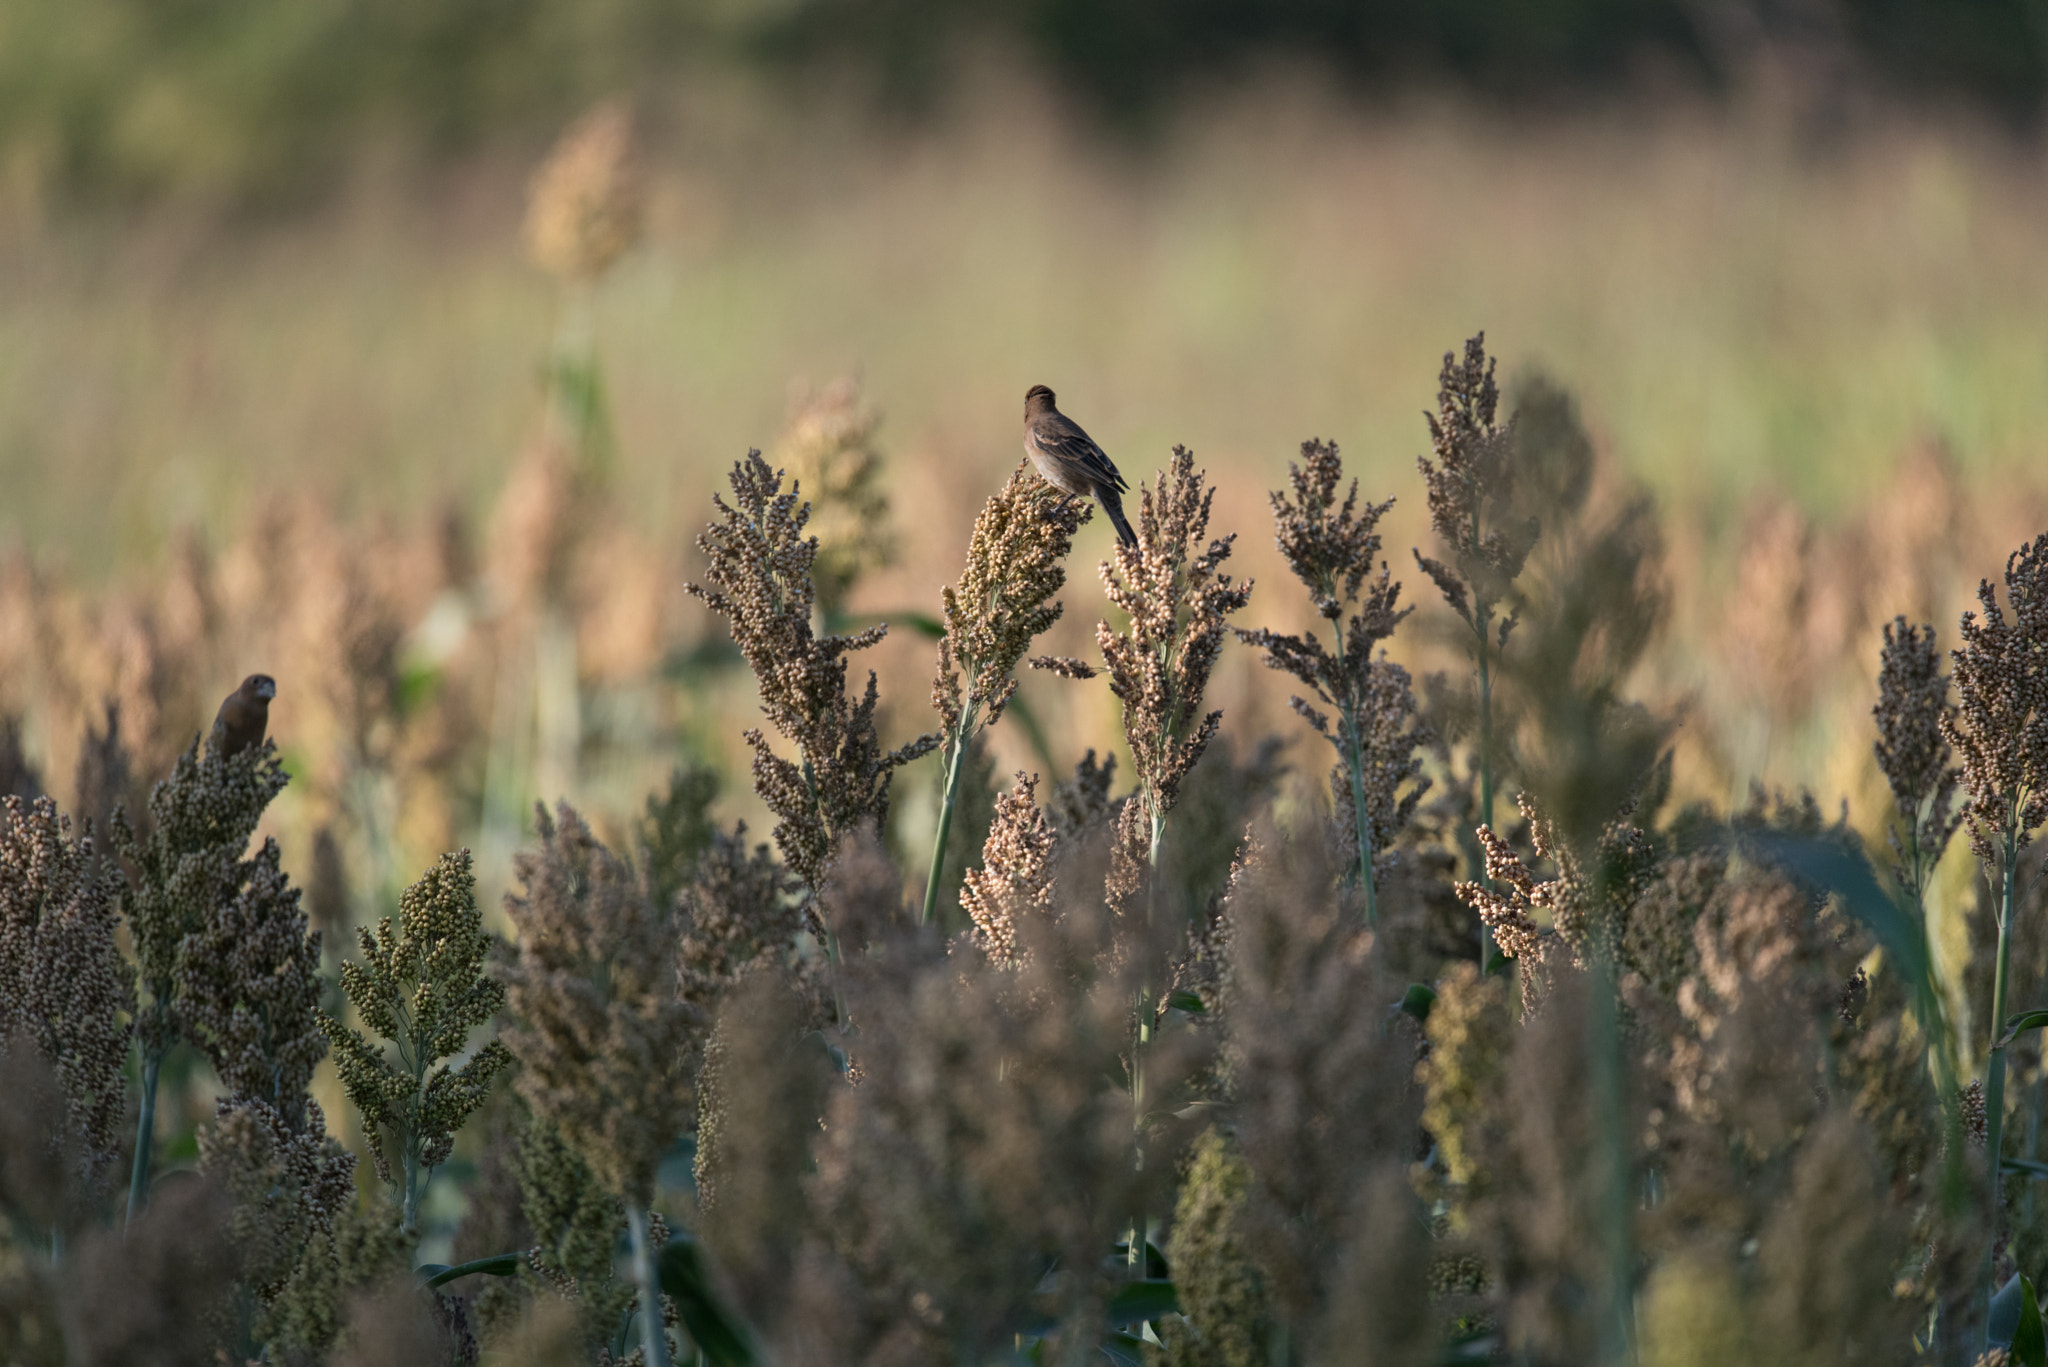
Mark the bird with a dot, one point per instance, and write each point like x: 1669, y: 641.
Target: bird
x: 1069, y: 460
x: 244, y: 714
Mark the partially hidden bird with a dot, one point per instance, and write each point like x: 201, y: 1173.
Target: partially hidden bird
x: 244, y: 714
x: 1069, y: 460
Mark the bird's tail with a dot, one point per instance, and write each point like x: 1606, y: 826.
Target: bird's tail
x: 1114, y: 506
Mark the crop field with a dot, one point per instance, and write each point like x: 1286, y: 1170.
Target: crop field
x: 1525, y: 854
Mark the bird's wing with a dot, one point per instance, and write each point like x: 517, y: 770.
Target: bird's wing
x: 1063, y: 439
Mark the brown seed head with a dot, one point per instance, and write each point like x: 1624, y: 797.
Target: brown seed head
x: 1016, y: 876
x: 1015, y: 564
x: 1912, y: 706
x: 584, y: 203
x: 759, y: 579
x: 1159, y: 666
x: 2000, y: 726
x: 1472, y: 494
x: 64, y: 987
x: 600, y: 1031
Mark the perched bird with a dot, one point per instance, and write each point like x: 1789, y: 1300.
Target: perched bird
x: 244, y: 714
x: 1069, y: 460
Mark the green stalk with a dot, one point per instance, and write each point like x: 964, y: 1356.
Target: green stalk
x: 1994, y: 1071
x: 653, y: 1334
x: 1362, y: 824
x: 956, y: 764
x: 1354, y: 756
x: 145, y: 1137
x: 1617, y: 1319
x: 1485, y: 622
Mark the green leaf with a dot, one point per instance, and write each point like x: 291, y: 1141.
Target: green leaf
x: 2023, y: 1167
x: 2019, y: 1025
x: 1183, y: 1000
x: 2029, y: 1345
x: 721, y: 1334
x: 1417, y: 1001
x: 1890, y: 921
x: 497, y: 1265
x: 1126, y: 1350
x: 2004, y: 1320
x: 1141, y: 1301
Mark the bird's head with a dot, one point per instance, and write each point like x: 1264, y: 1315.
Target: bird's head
x: 259, y: 688
x: 1037, y: 399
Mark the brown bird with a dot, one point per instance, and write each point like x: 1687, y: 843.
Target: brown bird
x: 244, y: 714
x: 1069, y: 460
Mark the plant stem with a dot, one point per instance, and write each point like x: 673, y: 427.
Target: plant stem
x: 1617, y: 1320
x: 410, y: 1220
x: 653, y: 1333
x: 145, y: 1137
x: 1485, y: 624
x: 1994, y: 1071
x: 1362, y: 824
x: 956, y: 764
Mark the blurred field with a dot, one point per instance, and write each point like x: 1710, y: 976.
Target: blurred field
x: 1763, y: 320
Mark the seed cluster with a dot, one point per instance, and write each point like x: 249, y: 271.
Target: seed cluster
x: 585, y: 203
x: 759, y: 580
x: 600, y: 1030
x: 1912, y: 710
x: 2000, y: 726
x: 421, y: 985
x: 1169, y: 587
x: 1472, y: 494
x: 1015, y: 879
x: 64, y: 987
x: 1331, y: 548
x: 248, y: 990
x: 189, y: 866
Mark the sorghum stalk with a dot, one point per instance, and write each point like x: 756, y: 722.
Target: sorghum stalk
x: 1333, y: 548
x: 145, y: 1136
x: 653, y: 1331
x: 1473, y: 508
x: 957, y: 741
x: 1999, y: 730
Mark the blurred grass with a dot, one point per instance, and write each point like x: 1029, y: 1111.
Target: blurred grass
x: 1736, y: 306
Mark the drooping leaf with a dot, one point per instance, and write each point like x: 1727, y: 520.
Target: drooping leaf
x: 1418, y: 1000
x: 2023, y: 1167
x: 1890, y: 921
x: 2019, y: 1025
x: 497, y: 1265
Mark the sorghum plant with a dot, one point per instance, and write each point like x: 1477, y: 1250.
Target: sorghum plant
x: 188, y: 867
x: 1912, y: 709
x: 1001, y: 604
x: 64, y: 987
x: 759, y: 573
x: 1169, y: 587
x: 421, y: 985
x: 1331, y: 549
x: 600, y: 1029
x: 1476, y: 514
x: 2000, y: 732
x: 249, y: 992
